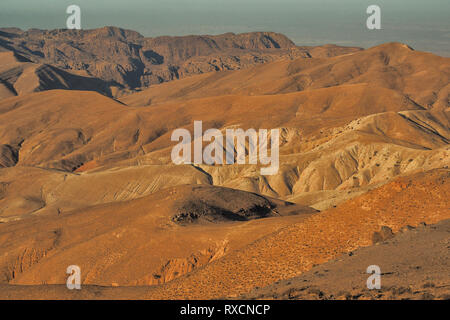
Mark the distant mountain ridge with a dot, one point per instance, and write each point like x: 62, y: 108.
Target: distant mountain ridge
x: 128, y: 61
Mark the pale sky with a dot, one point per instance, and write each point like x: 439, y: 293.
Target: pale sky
x: 424, y: 25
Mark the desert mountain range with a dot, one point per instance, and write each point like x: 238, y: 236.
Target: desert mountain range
x: 126, y: 61
x: 86, y: 175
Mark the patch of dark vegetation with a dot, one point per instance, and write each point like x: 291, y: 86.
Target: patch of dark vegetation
x: 196, y: 211
x: 206, y: 204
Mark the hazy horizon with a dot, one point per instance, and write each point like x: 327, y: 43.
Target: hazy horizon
x: 423, y: 26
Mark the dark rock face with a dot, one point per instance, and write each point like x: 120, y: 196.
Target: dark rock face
x: 8, y: 156
x: 384, y: 234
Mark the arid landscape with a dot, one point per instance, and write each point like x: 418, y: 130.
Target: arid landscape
x: 87, y: 179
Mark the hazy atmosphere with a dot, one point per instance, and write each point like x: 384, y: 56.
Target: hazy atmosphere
x: 422, y: 25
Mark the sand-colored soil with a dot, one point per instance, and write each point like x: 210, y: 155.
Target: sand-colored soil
x: 86, y: 176
x: 414, y: 265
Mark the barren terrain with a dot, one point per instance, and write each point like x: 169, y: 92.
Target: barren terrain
x: 86, y: 176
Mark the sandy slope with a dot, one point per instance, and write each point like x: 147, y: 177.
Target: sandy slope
x: 19, y: 76
x: 414, y: 265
